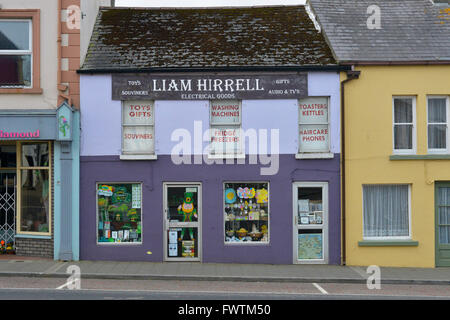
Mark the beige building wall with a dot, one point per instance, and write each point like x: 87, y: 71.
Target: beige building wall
x: 48, y: 98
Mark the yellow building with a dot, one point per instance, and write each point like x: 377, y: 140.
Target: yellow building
x: 396, y: 136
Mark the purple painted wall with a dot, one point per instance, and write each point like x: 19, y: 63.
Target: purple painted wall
x: 153, y: 173
x: 101, y: 147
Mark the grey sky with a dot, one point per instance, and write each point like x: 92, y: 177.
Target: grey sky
x: 204, y: 3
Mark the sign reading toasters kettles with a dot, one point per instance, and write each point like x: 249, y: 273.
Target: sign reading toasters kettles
x: 209, y: 87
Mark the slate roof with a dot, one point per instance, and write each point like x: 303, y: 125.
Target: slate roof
x: 145, y: 38
x: 411, y: 30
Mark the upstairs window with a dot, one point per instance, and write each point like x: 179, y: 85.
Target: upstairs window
x: 226, y: 128
x: 314, y: 125
x: 16, y: 53
x: 404, y: 124
x: 438, y: 119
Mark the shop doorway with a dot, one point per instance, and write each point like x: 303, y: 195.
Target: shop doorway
x: 182, y: 217
x: 442, y: 194
x: 310, y: 203
x: 7, y: 199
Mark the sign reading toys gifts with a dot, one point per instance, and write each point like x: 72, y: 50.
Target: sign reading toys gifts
x: 313, y: 124
x: 149, y: 86
x: 138, y: 121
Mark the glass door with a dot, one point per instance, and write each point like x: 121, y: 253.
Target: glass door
x: 182, y: 213
x: 310, y: 222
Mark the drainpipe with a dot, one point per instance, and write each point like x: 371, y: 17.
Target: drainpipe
x: 351, y: 75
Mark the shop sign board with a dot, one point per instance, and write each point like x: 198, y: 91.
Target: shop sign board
x: 146, y: 86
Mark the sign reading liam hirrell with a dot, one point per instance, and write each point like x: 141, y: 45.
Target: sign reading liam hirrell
x: 144, y: 86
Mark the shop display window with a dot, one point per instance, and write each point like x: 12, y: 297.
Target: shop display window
x: 34, y: 176
x: 246, y: 212
x: 119, y: 212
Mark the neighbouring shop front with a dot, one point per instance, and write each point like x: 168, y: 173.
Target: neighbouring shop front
x: 38, y: 194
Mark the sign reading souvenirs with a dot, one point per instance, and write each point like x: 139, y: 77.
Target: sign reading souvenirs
x: 208, y: 87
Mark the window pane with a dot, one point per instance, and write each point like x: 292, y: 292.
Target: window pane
x: 15, y: 70
x: 437, y: 136
x: 403, y: 112
x: 385, y: 210
x: 138, y: 140
x: 8, y: 156
x: 226, y: 140
x: 35, y: 155
x: 34, y: 200
x: 314, y: 138
x: 313, y: 110
x: 246, y: 212
x: 437, y: 110
x: 310, y: 244
x: 403, y: 137
x: 138, y: 112
x: 310, y: 206
x: 14, y: 35
x: 225, y: 112
x: 119, y: 212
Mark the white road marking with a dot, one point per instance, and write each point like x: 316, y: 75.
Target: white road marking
x: 320, y: 288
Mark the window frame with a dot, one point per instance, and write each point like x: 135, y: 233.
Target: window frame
x: 19, y: 168
x: 383, y: 238
x: 96, y: 215
x: 137, y: 155
x: 246, y: 243
x: 445, y: 150
x: 413, y: 149
x: 225, y: 125
x: 34, y: 16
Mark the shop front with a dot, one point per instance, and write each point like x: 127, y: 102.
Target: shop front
x: 35, y: 150
x: 197, y: 146
x: 210, y: 180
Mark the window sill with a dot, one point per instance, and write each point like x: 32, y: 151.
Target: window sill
x: 420, y: 157
x: 21, y: 90
x: 388, y: 243
x: 138, y: 157
x: 32, y: 236
x: 318, y: 155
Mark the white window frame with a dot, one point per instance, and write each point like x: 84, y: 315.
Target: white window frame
x: 225, y: 125
x: 324, y: 227
x: 317, y: 154
x: 413, y: 150
x: 446, y: 150
x: 22, y: 52
x: 409, y: 236
x: 151, y: 155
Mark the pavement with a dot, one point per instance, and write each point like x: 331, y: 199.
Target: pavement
x: 14, y: 266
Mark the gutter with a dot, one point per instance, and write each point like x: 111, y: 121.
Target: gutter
x: 336, y: 68
x: 351, y: 75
